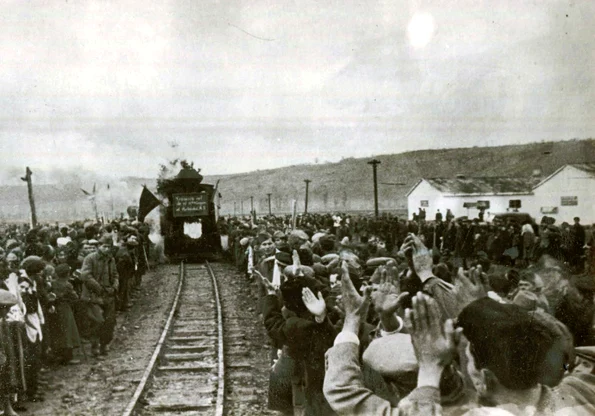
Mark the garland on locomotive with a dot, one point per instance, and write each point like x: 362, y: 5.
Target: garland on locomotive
x: 188, y: 222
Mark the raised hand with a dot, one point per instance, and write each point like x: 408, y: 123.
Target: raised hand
x: 387, y: 297
x: 480, y: 278
x: 355, y: 306
x: 435, y: 343
x: 316, y: 305
x: 468, y: 289
x: 419, y: 257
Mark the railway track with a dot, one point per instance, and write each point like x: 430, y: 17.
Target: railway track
x: 199, y: 366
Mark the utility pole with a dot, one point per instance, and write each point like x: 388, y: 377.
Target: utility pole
x: 252, y: 213
x: 269, y: 195
x: 306, y: 204
x: 234, y: 208
x: 27, y: 179
x: 374, y: 163
x: 242, y: 207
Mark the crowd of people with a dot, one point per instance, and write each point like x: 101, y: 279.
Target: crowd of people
x: 414, y: 317
x: 61, y: 288
x: 364, y: 315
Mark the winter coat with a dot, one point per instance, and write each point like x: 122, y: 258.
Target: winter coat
x: 63, y: 329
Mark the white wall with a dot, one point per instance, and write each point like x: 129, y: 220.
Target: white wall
x: 568, y: 182
x: 424, y: 191
x: 436, y: 200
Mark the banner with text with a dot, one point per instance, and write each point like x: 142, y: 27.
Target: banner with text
x: 190, y: 205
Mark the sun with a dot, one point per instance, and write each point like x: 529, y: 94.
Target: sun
x: 420, y: 29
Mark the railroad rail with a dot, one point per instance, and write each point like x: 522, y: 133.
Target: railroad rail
x: 187, y: 371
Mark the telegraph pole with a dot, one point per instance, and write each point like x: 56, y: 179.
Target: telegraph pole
x: 374, y: 163
x: 27, y: 179
x: 252, y: 213
x: 306, y: 204
x: 269, y: 195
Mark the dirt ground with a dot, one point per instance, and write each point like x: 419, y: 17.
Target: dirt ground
x: 104, y: 386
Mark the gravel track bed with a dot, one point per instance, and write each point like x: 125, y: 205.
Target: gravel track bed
x: 104, y: 386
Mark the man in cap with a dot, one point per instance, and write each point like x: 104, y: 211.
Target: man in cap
x: 101, y: 282
x: 126, y: 265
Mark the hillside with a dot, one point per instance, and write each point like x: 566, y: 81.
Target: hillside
x: 348, y: 185
x: 342, y: 186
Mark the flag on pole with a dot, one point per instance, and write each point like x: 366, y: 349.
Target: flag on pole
x: 148, y: 202
x: 215, y: 191
x: 89, y: 194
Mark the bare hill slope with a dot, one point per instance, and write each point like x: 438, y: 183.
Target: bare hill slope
x: 342, y: 186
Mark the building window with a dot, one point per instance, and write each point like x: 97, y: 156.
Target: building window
x: 424, y: 203
x: 567, y: 201
x: 514, y: 203
x: 483, y: 204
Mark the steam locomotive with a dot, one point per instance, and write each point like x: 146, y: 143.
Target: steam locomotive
x: 188, y: 222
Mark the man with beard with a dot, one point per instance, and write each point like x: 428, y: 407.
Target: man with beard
x: 101, y: 283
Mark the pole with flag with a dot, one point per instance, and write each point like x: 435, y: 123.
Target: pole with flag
x: 147, y: 203
x: 93, y: 199
x: 217, y: 195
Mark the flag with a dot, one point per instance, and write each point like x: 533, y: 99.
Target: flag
x: 148, y: 202
x: 90, y: 196
x: 215, y: 191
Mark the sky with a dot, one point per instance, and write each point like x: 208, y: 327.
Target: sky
x: 114, y: 88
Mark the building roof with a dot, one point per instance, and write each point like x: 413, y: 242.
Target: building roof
x: 481, y: 186
x: 585, y: 167
x: 495, y: 185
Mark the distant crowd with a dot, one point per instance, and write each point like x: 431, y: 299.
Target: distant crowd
x: 509, y: 242
x: 61, y: 287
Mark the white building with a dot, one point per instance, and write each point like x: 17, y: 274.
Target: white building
x: 567, y: 193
